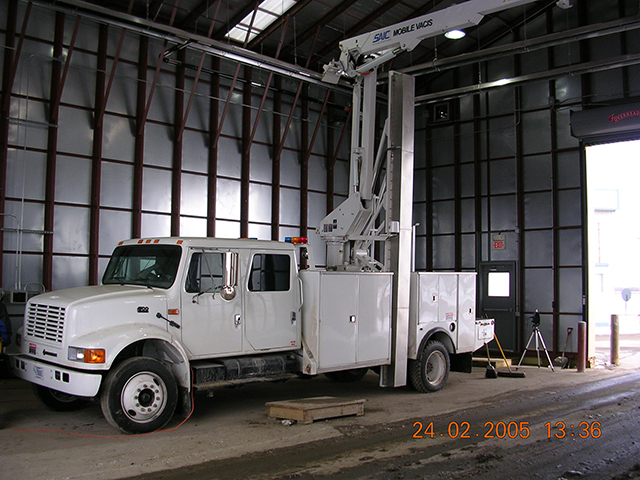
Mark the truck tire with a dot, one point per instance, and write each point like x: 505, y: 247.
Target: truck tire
x: 58, y: 401
x: 353, y: 375
x: 429, y: 372
x: 139, y: 396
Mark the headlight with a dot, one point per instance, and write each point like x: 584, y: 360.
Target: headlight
x: 18, y: 340
x: 86, y: 355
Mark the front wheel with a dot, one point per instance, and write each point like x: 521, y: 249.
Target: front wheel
x: 429, y: 372
x: 140, y: 395
x: 58, y: 401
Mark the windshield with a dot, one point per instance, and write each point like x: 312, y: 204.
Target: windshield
x: 149, y: 265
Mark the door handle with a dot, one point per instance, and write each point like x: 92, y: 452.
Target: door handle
x: 236, y: 320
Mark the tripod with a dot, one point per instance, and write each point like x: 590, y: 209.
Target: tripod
x: 538, y: 336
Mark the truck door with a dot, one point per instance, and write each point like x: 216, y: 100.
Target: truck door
x: 272, y: 301
x: 211, y: 320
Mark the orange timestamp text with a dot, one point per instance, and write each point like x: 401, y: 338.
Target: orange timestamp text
x: 508, y: 430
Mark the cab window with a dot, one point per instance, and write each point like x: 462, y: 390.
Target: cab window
x: 270, y: 273
x: 205, y: 272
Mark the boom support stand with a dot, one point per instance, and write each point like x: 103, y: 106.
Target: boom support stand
x: 398, y: 249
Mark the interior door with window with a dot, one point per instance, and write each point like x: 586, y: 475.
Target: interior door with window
x: 271, y: 302
x: 211, y: 325
x: 498, y: 300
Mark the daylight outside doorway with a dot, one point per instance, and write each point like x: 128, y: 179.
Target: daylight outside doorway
x: 613, y: 203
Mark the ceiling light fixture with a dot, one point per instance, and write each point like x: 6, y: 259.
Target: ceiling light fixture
x: 455, y: 34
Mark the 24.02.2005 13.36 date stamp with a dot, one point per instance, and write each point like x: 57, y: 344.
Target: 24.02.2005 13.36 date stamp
x: 508, y: 430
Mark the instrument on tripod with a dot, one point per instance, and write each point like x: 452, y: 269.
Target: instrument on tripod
x: 535, y: 320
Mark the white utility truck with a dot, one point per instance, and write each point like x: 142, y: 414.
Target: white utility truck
x: 177, y: 315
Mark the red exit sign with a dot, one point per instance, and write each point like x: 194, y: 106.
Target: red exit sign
x: 499, y: 242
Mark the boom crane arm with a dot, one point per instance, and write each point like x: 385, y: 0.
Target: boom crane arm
x: 365, y: 218
x: 365, y: 52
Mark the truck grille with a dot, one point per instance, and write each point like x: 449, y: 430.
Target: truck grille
x: 45, y: 322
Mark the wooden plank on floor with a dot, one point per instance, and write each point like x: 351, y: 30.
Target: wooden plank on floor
x: 307, y: 410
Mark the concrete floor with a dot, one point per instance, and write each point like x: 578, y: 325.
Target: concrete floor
x: 38, y: 444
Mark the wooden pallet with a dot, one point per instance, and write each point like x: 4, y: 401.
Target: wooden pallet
x: 307, y: 410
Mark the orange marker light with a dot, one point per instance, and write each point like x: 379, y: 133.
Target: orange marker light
x: 94, y: 355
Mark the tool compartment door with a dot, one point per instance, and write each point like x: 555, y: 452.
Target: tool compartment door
x: 466, y: 312
x: 338, y: 316
x: 355, y: 320
x: 374, y: 318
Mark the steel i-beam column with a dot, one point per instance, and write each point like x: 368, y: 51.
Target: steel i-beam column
x: 212, y: 177
x: 96, y: 160
x: 138, y: 161
x: 246, y: 154
x: 304, y: 165
x: 178, y: 127
x: 275, y: 167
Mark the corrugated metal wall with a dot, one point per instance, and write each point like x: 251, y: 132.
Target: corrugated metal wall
x: 505, y: 163
x: 79, y: 182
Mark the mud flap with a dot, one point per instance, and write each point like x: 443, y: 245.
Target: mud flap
x: 185, y: 403
x: 462, y: 362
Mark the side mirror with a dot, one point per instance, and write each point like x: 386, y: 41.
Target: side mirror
x: 230, y: 280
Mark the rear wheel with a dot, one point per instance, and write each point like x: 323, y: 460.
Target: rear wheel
x: 429, y: 372
x: 353, y: 375
x: 140, y: 395
x: 58, y: 401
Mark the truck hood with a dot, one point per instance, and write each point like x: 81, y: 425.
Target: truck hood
x: 89, y: 310
x: 70, y: 296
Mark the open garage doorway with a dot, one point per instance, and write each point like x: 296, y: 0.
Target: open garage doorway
x: 613, y: 205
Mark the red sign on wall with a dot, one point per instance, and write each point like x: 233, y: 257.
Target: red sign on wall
x: 499, y: 242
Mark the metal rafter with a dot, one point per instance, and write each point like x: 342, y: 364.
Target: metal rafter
x: 197, y: 12
x: 264, y: 95
x: 157, y: 73
x: 283, y: 20
x: 196, y: 79
x: 100, y: 112
x: 323, y: 22
x: 233, y: 83
x: 243, y: 12
x: 361, y: 25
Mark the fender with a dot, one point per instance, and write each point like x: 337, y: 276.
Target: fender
x: 437, y: 333
x: 158, y: 343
